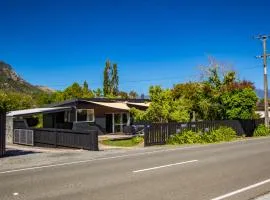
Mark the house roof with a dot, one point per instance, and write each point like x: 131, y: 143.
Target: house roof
x: 101, y: 100
x: 36, y: 111
x: 117, y: 105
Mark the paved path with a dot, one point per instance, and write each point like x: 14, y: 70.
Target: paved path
x: 239, y: 170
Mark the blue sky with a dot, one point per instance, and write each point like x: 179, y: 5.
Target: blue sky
x: 55, y: 43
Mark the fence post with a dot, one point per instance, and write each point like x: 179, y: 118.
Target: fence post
x: 146, y: 135
x: 2, y: 133
x: 93, y: 141
x: 55, y: 139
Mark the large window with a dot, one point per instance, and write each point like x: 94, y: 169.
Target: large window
x: 85, y: 115
x: 120, y: 121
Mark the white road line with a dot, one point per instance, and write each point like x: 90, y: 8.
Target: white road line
x: 92, y: 160
x: 242, y: 190
x: 163, y: 166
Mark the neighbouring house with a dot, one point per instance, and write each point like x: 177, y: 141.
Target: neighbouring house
x: 260, y: 109
x: 101, y: 114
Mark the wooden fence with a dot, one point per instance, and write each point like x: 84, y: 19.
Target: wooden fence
x: 158, y: 133
x: 52, y: 137
x: 66, y: 138
x: 2, y: 133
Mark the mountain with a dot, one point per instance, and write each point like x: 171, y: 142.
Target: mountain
x: 260, y: 93
x: 45, y: 89
x: 11, y: 81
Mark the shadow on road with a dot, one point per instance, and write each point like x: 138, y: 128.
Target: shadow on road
x: 18, y: 152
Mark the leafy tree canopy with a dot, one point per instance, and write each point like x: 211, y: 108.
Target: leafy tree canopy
x: 163, y: 107
x: 15, y: 101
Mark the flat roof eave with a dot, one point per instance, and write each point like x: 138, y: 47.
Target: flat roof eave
x: 29, y: 112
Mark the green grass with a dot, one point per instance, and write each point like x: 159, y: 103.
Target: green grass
x: 123, y: 142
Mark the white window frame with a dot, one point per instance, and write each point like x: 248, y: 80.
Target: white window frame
x: 86, y: 110
x: 67, y: 116
x: 121, y: 120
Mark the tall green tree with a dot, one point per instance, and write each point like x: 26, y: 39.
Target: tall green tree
x: 85, y: 86
x: 114, y: 80
x: 73, y: 91
x: 123, y: 95
x: 110, y: 79
x: 98, y: 92
x: 106, y: 78
x: 87, y: 93
x: 132, y: 94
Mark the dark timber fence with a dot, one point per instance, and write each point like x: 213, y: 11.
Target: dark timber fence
x: 2, y: 133
x: 158, y: 133
x: 66, y: 138
x: 52, y: 137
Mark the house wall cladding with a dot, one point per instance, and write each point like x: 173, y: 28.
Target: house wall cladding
x: 2, y: 133
x: 158, y: 133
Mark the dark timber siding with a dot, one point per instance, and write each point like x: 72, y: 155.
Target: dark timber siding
x: 2, y: 133
x: 66, y: 138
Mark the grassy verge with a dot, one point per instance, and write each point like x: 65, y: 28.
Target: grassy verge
x: 123, y: 142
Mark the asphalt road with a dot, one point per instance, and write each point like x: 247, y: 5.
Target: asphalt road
x: 239, y: 170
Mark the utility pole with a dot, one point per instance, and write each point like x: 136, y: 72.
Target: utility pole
x: 264, y: 38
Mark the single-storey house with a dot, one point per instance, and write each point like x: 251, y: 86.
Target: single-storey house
x: 101, y: 114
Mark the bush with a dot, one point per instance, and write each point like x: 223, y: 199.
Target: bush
x: 261, y: 130
x: 223, y: 133
x: 185, y: 137
x: 190, y: 137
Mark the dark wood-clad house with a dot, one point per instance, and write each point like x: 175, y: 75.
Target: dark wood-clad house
x: 108, y: 115
x: 103, y: 115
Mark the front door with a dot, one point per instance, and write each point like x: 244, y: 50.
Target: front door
x: 109, y: 123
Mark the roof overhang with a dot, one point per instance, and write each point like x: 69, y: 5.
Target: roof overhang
x: 29, y: 112
x: 115, y: 105
x: 146, y: 104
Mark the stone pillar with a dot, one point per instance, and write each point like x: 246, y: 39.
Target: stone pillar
x: 9, y: 130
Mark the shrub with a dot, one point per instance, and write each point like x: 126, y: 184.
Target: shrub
x: 190, y: 137
x: 261, y: 130
x: 185, y: 137
x: 223, y: 133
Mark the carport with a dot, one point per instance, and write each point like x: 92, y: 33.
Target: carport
x: 19, y: 118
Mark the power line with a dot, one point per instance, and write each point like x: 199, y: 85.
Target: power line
x: 132, y: 81
x: 264, y: 38
x: 142, y: 80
